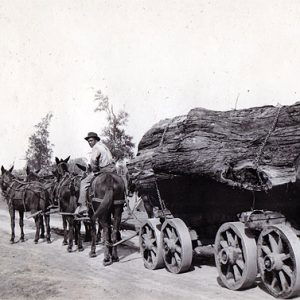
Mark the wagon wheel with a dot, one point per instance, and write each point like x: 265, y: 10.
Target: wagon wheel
x: 236, y: 255
x: 177, y: 245
x: 279, y: 260
x: 150, y: 244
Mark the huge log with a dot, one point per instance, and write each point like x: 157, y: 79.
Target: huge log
x: 209, y: 159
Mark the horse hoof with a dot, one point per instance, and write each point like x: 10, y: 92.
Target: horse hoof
x: 35, y: 242
x: 48, y: 241
x: 12, y: 241
x: 115, y: 259
x: 42, y: 236
x: 92, y: 254
x: 64, y: 243
x: 80, y: 249
x: 107, y: 262
x: 22, y: 240
x: 69, y: 249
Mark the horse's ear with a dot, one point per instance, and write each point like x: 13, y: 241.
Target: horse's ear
x: 67, y: 159
x: 81, y: 167
x: 10, y: 170
x: 27, y: 170
x: 2, y: 169
x: 56, y: 160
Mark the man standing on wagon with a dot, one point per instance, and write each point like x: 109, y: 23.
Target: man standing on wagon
x: 101, y: 161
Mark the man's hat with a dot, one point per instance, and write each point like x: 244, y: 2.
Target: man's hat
x: 92, y: 135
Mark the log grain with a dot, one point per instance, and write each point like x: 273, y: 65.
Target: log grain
x: 196, y: 157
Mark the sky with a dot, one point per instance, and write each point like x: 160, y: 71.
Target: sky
x: 155, y: 59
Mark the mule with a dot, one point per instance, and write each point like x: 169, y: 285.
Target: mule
x: 67, y: 195
x: 25, y: 197
x: 109, y: 197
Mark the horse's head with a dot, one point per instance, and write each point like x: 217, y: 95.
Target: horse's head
x: 32, y: 175
x: 62, y: 165
x: 6, y: 178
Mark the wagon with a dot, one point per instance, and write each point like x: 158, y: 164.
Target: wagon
x: 248, y: 243
x: 227, y: 179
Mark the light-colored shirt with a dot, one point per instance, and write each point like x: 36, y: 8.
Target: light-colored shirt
x: 100, y: 156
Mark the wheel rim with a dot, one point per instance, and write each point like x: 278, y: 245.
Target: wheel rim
x: 177, y: 246
x: 278, y: 252
x: 150, y: 244
x: 235, y: 256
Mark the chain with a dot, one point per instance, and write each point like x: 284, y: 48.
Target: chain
x: 161, y: 201
x: 260, y: 151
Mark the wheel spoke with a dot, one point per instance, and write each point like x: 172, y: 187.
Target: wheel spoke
x: 236, y: 272
x: 240, y: 264
x: 224, y: 244
x: 154, y: 250
x: 178, y: 259
x: 285, y: 256
x: 274, y: 281
x: 283, y: 281
x: 266, y: 249
x: 228, y: 272
x: 169, y: 233
x: 273, y: 244
x: 229, y: 238
x: 287, y: 270
x: 173, y: 261
x: 280, y: 246
x: 152, y: 256
x: 178, y: 249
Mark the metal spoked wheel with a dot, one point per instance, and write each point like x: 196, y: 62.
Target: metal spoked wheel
x: 278, y: 251
x: 236, y: 256
x: 177, y: 245
x: 150, y: 244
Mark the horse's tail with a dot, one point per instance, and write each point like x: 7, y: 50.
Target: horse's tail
x: 108, y: 196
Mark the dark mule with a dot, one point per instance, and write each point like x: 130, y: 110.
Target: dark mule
x: 67, y: 195
x: 108, y: 200
x: 25, y: 197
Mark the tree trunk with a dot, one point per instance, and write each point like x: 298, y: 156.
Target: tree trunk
x: 206, y: 154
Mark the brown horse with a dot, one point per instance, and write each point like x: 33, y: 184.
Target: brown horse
x: 25, y: 197
x: 109, y: 197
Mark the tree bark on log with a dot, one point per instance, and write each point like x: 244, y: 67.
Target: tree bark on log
x: 251, y: 151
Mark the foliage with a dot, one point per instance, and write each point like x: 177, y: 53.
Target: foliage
x: 39, y: 152
x: 115, y: 137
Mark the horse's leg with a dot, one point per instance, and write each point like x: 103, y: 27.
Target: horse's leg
x: 87, y: 227
x: 78, y: 236
x: 105, y: 223
x: 42, y: 236
x: 99, y: 233
x: 93, y: 241
x: 65, y: 225
x: 21, y: 223
x: 118, y: 209
x: 12, y: 224
x: 47, y: 221
x: 37, y: 220
x: 71, y: 232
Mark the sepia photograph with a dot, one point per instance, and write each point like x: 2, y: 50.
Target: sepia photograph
x: 150, y: 149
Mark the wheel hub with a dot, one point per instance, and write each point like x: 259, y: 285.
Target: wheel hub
x: 273, y: 262
x: 228, y: 255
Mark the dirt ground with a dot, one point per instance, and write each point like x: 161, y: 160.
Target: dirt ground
x: 48, y: 271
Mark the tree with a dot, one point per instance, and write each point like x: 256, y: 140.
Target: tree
x: 116, y: 139
x: 39, y: 152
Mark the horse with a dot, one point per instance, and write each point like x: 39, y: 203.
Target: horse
x: 67, y: 195
x: 107, y: 200
x: 25, y: 197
